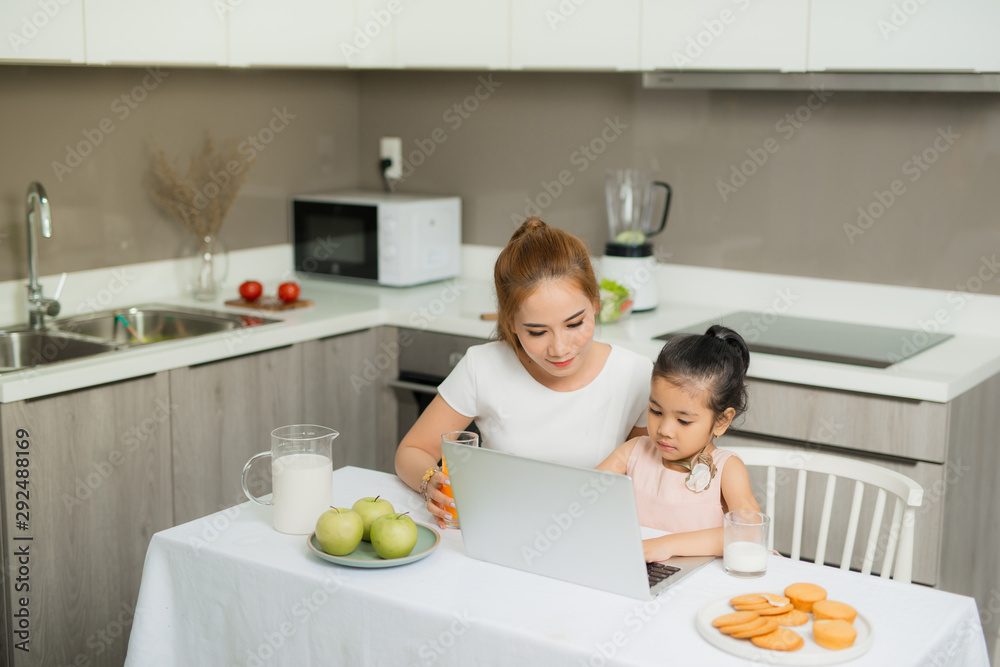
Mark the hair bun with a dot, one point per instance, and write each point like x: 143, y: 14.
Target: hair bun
x: 733, y: 340
x: 529, y: 226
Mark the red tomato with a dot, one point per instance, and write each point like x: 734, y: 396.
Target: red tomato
x: 251, y: 290
x: 288, y: 292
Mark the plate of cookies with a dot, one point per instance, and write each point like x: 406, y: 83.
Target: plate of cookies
x: 798, y: 626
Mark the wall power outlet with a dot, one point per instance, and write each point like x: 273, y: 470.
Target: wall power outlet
x: 391, y: 148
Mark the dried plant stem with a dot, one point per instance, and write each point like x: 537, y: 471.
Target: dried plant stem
x: 200, y: 199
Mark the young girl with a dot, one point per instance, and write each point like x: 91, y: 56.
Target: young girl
x: 683, y: 482
x: 546, y: 388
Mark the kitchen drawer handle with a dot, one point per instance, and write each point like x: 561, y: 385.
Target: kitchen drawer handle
x: 413, y: 386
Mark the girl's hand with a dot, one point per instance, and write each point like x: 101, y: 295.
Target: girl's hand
x: 437, y: 500
x: 657, y: 548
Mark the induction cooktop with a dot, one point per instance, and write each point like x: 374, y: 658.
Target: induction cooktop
x: 822, y: 340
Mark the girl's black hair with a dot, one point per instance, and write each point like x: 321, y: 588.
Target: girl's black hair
x: 717, y: 360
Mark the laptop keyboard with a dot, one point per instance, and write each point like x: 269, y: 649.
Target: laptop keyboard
x: 657, y: 572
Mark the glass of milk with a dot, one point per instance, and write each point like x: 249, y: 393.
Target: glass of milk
x: 301, y: 476
x: 745, y: 535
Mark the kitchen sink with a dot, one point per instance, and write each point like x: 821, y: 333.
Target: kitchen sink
x: 27, y: 348
x: 142, y: 325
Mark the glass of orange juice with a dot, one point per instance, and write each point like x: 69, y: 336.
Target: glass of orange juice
x: 463, y: 438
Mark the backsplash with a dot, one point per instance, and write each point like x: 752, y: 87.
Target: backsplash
x: 875, y: 187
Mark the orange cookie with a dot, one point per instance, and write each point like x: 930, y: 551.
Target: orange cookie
x: 774, y: 611
x: 804, y: 595
x: 752, y: 625
x: 793, y: 617
x: 828, y: 610
x: 751, y: 598
x: 834, y: 635
x: 752, y: 607
x: 781, y: 639
x: 736, y: 618
x: 776, y: 600
x: 768, y: 627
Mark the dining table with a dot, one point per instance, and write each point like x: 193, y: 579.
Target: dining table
x: 228, y: 590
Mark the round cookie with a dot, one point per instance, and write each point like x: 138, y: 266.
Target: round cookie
x: 752, y: 607
x: 750, y: 625
x: 736, y: 618
x: 828, y: 610
x: 834, y: 635
x: 792, y: 618
x: 774, y: 611
x: 804, y: 595
x: 781, y: 639
x: 768, y: 627
x: 750, y: 598
x: 776, y: 600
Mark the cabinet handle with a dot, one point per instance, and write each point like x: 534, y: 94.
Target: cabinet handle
x: 413, y: 386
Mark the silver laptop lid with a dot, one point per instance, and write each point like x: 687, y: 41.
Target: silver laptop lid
x: 569, y: 523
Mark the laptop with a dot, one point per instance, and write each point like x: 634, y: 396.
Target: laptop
x: 575, y: 524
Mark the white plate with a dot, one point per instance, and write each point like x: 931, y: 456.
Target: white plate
x: 810, y: 654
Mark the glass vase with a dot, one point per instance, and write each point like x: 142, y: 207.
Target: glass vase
x: 206, y: 265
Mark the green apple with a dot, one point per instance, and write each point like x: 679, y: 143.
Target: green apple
x: 394, y: 535
x: 371, y: 509
x: 339, y: 530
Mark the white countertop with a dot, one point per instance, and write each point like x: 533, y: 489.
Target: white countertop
x: 688, y: 295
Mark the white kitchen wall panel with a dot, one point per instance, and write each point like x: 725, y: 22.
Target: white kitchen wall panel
x: 146, y: 32
x: 42, y: 31
x: 308, y: 33
x: 725, y: 34
x: 375, y: 39
x: 904, y: 35
x: 575, y: 34
x: 454, y: 34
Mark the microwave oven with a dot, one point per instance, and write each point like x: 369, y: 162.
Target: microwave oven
x: 377, y: 237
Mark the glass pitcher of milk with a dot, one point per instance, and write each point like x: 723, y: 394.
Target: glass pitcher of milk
x: 301, y: 476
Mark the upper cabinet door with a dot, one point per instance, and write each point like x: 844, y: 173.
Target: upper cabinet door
x: 725, y: 34
x: 904, y: 35
x: 310, y: 33
x: 454, y: 34
x: 42, y: 31
x: 569, y: 34
x: 183, y: 32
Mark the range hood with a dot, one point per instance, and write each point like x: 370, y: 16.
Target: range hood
x: 940, y: 82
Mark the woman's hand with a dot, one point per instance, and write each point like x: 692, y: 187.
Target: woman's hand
x: 437, y: 500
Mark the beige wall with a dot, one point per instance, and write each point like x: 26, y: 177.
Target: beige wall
x: 503, y: 140
x: 102, y: 214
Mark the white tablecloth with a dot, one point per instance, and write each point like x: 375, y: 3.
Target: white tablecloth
x: 228, y: 590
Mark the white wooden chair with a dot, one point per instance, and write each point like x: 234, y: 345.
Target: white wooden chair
x: 909, y: 495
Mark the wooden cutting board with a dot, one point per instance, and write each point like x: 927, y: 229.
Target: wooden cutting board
x: 270, y: 303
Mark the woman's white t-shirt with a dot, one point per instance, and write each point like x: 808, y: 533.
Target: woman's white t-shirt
x: 517, y: 414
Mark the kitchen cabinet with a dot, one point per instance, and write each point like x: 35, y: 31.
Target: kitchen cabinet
x: 345, y: 386
x: 222, y: 413
x: 948, y: 448
x: 454, y: 34
x: 310, y: 33
x: 45, y: 32
x: 911, y: 35
x: 568, y: 34
x: 725, y: 35
x: 148, y: 32
x: 97, y: 486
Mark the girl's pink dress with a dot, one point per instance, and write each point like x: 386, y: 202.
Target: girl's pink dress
x: 664, y: 502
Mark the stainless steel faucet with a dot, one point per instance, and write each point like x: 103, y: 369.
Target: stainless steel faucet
x: 38, y: 208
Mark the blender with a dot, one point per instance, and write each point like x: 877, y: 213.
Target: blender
x: 628, y: 257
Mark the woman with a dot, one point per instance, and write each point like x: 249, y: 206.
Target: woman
x: 546, y: 389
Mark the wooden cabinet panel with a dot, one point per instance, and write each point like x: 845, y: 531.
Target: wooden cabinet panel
x: 927, y: 531
x: 99, y: 486
x: 455, y: 34
x: 878, y: 424
x: 42, y: 31
x: 313, y: 33
x: 223, y: 414
x: 344, y: 377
